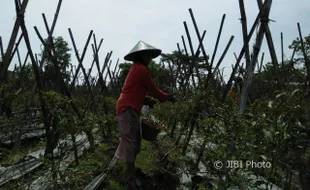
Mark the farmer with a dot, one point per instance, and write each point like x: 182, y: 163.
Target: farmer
x: 235, y: 91
x: 138, y: 82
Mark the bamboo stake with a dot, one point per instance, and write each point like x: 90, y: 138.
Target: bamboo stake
x: 50, y: 46
x: 229, y: 83
x: 178, y: 45
x: 184, y: 45
x: 292, y: 58
x: 109, y: 72
x: 106, y: 61
x: 192, y: 53
x: 7, y: 56
x: 56, y: 16
x: 210, y: 74
x: 95, y: 51
x: 25, y: 60
x: 282, y: 51
x: 96, y: 60
x: 256, y: 50
x: 218, y: 39
x: 245, y: 33
x: 108, y: 66
x: 45, y: 24
x: 19, y: 59
x: 199, y: 38
x: 200, y: 45
x: 305, y: 55
x: 224, y: 54
x: 15, y: 48
x: 43, y: 105
x: 1, y: 49
x: 272, y: 49
x: 81, y: 58
x: 261, y: 63
x: 114, y: 72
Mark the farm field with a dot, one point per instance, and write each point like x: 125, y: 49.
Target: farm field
x: 246, y: 130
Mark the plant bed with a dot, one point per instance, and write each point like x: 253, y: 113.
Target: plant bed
x: 90, y: 165
x: 28, y: 137
x: 9, y: 157
x: 25, y: 179
x: 150, y: 161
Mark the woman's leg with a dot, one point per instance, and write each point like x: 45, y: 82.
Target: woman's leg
x: 131, y: 169
x: 129, y: 146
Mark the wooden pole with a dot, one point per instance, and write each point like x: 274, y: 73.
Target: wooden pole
x: 199, y: 38
x: 7, y: 55
x: 193, y: 64
x: 272, y: 48
x: 56, y: 16
x: 305, y: 55
x: 82, y: 56
x: 261, y: 63
x: 282, y: 51
x: 245, y: 33
x: 15, y: 48
x: 229, y: 83
x: 1, y: 50
x: 256, y: 50
x: 43, y: 105
x: 80, y: 60
x: 218, y: 39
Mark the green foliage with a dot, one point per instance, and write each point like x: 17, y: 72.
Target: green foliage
x: 58, y: 103
x: 273, y: 128
x: 62, y: 58
x: 14, y: 157
x: 8, y: 96
x: 176, y: 57
x: 289, y: 73
x: 25, y: 75
x: 296, y: 44
x: 268, y: 131
x: 92, y: 164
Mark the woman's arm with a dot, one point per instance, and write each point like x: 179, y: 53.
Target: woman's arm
x: 151, y: 86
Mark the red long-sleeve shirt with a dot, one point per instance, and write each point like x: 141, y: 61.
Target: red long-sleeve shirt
x: 138, y: 82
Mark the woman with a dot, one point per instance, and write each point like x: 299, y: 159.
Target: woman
x: 235, y: 91
x: 138, y: 82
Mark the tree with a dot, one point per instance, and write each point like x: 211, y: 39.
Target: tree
x: 25, y: 74
x: 63, y: 58
x: 303, y: 56
x: 184, y: 67
x: 296, y: 44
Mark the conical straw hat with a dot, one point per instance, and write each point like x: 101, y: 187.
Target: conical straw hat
x: 140, y: 47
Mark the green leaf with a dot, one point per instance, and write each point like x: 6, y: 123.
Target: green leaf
x: 270, y: 104
x: 259, y: 183
x: 280, y: 95
x: 263, y: 157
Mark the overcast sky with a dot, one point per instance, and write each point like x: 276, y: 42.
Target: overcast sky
x: 123, y: 23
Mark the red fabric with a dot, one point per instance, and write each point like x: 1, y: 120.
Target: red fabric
x: 138, y: 82
x: 234, y: 93
x: 233, y: 90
